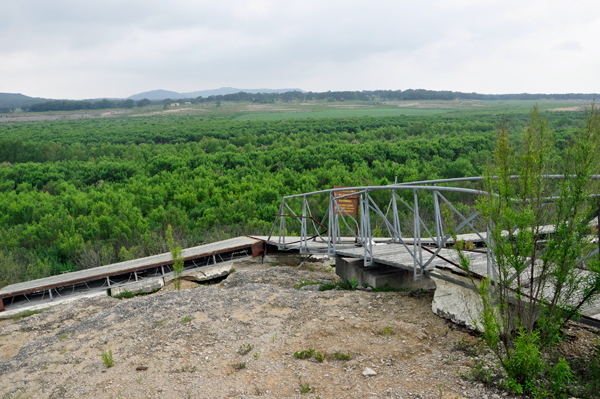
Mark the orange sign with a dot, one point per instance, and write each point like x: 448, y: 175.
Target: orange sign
x: 348, y: 204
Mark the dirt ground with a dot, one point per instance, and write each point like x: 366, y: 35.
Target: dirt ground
x: 187, y: 344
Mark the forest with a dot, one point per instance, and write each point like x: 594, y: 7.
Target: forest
x: 76, y: 194
x: 287, y: 97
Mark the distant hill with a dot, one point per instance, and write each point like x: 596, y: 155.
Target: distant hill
x: 16, y: 100
x: 162, y: 94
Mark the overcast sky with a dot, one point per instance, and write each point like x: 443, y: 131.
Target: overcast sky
x: 89, y: 49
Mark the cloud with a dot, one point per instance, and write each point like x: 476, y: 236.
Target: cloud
x: 74, y: 49
x: 569, y: 45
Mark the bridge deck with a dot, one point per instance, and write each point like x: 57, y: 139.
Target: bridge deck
x: 68, y: 279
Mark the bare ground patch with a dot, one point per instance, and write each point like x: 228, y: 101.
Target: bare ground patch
x: 186, y: 343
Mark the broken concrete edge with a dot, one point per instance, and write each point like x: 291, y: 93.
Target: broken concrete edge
x: 456, y: 298
x: 203, y: 274
x: 9, y: 314
x: 140, y: 287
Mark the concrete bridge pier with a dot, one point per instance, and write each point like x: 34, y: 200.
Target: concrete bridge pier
x: 379, y: 275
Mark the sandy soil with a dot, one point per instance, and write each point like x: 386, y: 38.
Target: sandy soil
x: 567, y: 109
x: 186, y: 344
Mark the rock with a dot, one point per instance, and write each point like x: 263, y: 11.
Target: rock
x: 369, y: 289
x: 368, y: 372
x: 312, y: 287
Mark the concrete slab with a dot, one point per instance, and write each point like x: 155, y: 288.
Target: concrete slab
x: 378, y: 276
x: 455, y: 298
x: 204, y: 273
x: 145, y: 286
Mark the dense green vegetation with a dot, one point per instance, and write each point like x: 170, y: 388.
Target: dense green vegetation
x: 81, y: 193
x: 67, y: 105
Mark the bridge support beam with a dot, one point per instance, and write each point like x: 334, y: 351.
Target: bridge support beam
x: 378, y: 275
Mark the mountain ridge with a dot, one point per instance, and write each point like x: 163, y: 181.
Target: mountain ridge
x: 161, y: 94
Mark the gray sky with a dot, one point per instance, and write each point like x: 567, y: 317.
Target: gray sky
x: 110, y: 48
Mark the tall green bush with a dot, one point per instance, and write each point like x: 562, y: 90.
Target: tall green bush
x: 540, y: 280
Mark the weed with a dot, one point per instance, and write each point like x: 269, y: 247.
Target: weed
x: 244, y: 349
x: 387, y: 331
x: 239, y: 366
x: 307, y: 354
x: 187, y: 319
x: 467, y: 347
x: 27, y: 313
x: 481, y: 372
x: 319, y: 357
x: 233, y: 270
x: 560, y: 377
x: 124, y: 295
x: 341, y: 356
x: 387, y: 288
x: 62, y: 337
x: 305, y: 388
x: 107, y: 358
x: 274, y: 336
x: 329, y: 286
x: 256, y: 355
x: 161, y: 323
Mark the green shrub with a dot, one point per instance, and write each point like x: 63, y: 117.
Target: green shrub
x: 239, y: 366
x: 387, y: 331
x: 341, y: 356
x: 559, y: 379
x: 307, y: 354
x: 525, y: 363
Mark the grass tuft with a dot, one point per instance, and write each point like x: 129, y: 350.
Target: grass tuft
x: 107, y: 358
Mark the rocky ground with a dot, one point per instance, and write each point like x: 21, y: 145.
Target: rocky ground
x: 187, y: 344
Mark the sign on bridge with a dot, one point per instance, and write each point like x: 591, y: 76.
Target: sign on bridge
x: 348, y: 204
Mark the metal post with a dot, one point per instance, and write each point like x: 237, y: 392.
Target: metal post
x: 330, y: 225
x: 108, y: 282
x: 367, y: 238
x: 438, y: 218
x: 398, y: 237
x: 136, y: 276
x: 303, y: 232
x: 417, y: 255
x: 50, y: 292
x: 282, y: 231
x: 162, y: 269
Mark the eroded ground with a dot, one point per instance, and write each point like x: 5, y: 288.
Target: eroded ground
x: 189, y: 341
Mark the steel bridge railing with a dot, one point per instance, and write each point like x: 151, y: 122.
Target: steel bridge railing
x: 358, y: 224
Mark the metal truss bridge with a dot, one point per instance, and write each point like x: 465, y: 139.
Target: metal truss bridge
x: 400, y: 225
